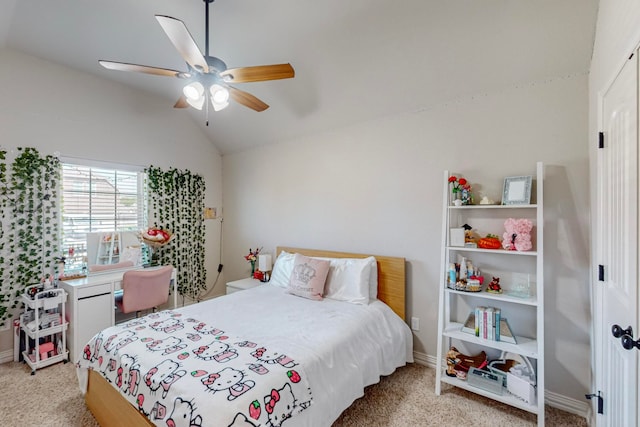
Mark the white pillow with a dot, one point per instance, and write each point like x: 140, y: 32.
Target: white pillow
x: 282, y: 269
x: 340, y: 290
x: 349, y: 280
x: 373, y: 279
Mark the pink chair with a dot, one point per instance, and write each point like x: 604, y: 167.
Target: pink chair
x: 144, y: 289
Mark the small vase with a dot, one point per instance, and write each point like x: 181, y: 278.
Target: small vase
x: 253, y: 268
x: 456, y: 198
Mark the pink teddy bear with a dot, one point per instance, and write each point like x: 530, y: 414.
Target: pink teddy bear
x: 517, y: 236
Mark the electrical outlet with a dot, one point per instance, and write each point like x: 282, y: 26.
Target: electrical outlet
x: 210, y: 213
x: 415, y: 323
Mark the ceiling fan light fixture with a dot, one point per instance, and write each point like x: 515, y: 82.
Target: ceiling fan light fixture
x: 197, y: 103
x: 219, y: 106
x: 193, y: 91
x: 219, y: 94
x: 219, y: 97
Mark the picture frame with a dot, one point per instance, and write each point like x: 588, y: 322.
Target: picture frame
x: 456, y: 237
x: 517, y: 190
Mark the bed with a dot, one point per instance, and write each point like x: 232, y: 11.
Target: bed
x: 329, y: 350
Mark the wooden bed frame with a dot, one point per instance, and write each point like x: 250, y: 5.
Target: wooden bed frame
x: 111, y: 409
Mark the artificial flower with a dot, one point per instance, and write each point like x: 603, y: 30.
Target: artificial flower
x: 252, y: 256
x: 458, y: 183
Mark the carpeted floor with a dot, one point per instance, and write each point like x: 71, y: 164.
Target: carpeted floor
x: 404, y: 399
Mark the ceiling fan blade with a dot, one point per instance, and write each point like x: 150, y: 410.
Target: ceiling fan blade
x: 184, y: 43
x: 123, y: 66
x: 181, y: 103
x: 247, y: 99
x: 258, y: 73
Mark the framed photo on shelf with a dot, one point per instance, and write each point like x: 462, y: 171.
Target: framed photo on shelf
x: 517, y: 190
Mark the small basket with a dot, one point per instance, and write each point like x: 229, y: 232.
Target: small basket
x: 487, y: 380
x: 517, y: 386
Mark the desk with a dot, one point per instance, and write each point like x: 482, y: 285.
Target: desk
x: 91, y: 305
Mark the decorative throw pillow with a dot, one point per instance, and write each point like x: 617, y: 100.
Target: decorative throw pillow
x: 308, y: 277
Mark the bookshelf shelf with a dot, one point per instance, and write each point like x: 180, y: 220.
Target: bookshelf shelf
x: 525, y: 314
x: 533, y: 301
x: 526, y: 346
x: 504, y: 398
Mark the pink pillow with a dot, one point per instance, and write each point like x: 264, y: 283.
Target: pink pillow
x: 308, y: 277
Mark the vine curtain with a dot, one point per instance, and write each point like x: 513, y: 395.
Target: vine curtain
x: 29, y: 227
x: 176, y: 201
x: 30, y: 224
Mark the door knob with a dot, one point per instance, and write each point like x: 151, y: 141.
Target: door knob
x: 618, y: 332
x: 628, y: 343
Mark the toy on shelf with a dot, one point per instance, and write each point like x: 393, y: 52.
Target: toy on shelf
x: 470, y: 237
x: 458, y: 364
x: 494, y: 286
x: 517, y: 235
x: 490, y: 242
x: 486, y: 201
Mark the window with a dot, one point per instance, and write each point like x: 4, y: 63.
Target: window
x: 98, y: 199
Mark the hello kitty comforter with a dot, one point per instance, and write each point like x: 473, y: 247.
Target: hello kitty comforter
x: 181, y: 371
x: 205, y: 364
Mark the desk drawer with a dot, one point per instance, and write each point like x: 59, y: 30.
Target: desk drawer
x: 94, y: 290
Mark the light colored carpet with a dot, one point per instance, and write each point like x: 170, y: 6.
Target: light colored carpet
x: 404, y: 399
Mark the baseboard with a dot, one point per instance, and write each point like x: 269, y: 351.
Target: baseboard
x: 555, y: 400
x: 568, y: 404
x: 424, y: 359
x: 6, y: 356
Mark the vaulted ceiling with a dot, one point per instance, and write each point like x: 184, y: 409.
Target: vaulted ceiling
x: 355, y: 60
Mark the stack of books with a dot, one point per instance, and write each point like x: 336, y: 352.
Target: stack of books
x: 488, y: 323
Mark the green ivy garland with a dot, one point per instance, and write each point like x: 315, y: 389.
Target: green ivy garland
x: 176, y: 200
x: 4, y: 194
x: 30, y: 203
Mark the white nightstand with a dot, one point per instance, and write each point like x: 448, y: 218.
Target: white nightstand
x: 242, y: 285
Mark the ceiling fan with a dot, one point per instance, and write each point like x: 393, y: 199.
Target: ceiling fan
x: 207, y: 76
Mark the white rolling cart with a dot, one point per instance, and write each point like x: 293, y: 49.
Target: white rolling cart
x: 44, y: 325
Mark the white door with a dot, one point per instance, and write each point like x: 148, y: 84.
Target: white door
x: 616, y: 285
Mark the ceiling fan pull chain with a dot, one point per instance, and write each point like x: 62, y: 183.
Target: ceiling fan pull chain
x: 206, y: 111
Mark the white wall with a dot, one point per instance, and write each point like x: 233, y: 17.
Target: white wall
x: 376, y: 187
x: 55, y: 109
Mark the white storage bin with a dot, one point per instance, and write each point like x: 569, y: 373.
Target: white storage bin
x: 521, y: 388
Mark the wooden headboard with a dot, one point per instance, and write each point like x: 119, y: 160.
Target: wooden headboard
x: 391, y: 275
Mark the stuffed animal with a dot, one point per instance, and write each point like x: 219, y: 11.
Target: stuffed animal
x: 517, y: 235
x: 470, y: 236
